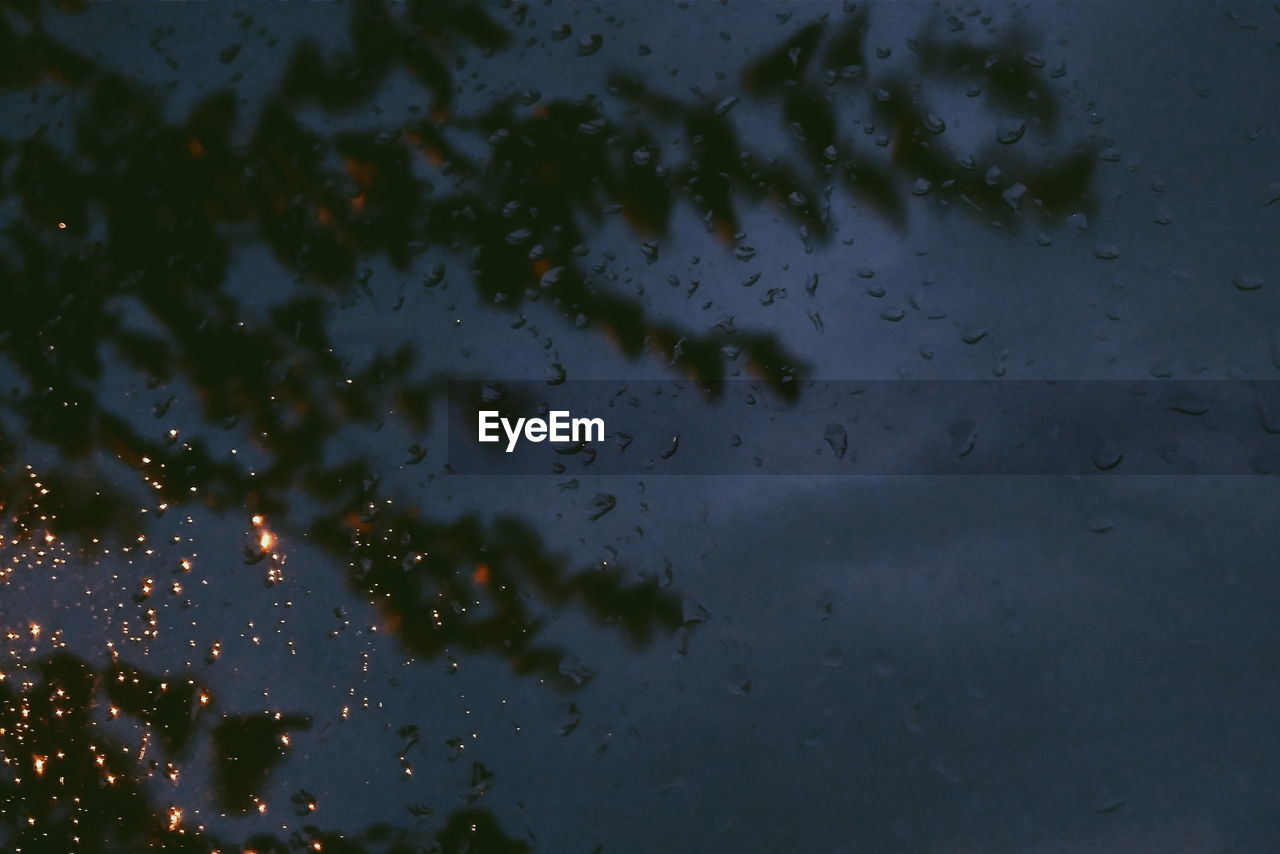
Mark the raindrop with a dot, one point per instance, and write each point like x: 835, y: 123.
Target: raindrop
x: 1107, y: 455
x: 587, y: 45
x: 825, y: 606
x: 726, y: 105
x: 1246, y: 282
x: 838, y: 438
x: 434, y: 276
x: 691, y: 612
x: 921, y: 187
x: 556, y: 374
x: 1270, y: 423
x: 1010, y: 135
x: 963, y: 436
x: 571, y: 722
x: 1106, y: 252
x: 601, y: 504
x: 893, y: 315
x: 1013, y: 196
x: 1099, y: 524
x: 577, y: 672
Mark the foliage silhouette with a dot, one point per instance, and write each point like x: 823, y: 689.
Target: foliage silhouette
x: 119, y: 238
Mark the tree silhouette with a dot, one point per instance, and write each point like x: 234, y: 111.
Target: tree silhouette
x: 117, y: 246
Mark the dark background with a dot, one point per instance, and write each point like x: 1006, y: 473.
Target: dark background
x: 211, y: 228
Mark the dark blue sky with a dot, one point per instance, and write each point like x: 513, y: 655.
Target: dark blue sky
x: 913, y: 664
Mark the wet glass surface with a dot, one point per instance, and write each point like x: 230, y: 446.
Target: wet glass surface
x: 252, y: 598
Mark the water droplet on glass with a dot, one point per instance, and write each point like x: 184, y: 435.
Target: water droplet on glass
x: 1099, y: 524
x: 1107, y: 455
x: 1011, y: 134
x: 601, y: 504
x: 838, y: 438
x: 691, y: 612
x: 726, y: 105
x: 1106, y: 252
x: 1013, y: 196
x: 963, y: 435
